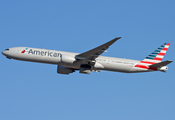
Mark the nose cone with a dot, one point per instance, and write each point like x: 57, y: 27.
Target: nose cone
x: 3, y: 52
x: 6, y: 53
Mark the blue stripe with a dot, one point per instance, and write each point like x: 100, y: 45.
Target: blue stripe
x: 149, y: 58
x: 157, y: 50
x: 155, y: 53
x: 152, y: 55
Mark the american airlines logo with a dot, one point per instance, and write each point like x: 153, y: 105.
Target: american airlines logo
x: 42, y: 53
x: 24, y: 50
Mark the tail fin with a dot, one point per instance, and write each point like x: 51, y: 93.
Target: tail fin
x: 157, y: 55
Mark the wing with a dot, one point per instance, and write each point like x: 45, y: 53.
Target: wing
x: 94, y: 53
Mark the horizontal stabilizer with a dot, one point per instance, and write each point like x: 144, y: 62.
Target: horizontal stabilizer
x: 160, y: 64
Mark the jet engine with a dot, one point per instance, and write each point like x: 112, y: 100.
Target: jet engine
x: 64, y: 70
x: 67, y: 59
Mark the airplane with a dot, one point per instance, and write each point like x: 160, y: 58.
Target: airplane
x: 69, y: 62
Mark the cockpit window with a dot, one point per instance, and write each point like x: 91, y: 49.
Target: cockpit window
x: 6, y: 49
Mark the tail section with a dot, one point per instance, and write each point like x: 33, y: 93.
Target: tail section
x: 161, y: 66
x: 153, y: 62
x: 156, y: 56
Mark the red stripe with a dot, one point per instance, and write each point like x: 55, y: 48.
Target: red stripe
x: 156, y: 58
x: 165, y: 49
x: 147, y: 62
x: 137, y: 65
x: 145, y: 67
x: 168, y: 44
x: 162, y: 54
x: 141, y: 66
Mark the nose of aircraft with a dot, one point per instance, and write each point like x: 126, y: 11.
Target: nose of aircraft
x: 3, y: 52
x: 6, y: 53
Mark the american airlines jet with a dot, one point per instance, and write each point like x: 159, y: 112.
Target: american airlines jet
x: 68, y: 62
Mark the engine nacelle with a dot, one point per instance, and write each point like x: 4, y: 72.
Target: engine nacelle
x: 67, y: 59
x: 64, y: 70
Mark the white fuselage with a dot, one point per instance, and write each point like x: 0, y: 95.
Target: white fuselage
x: 56, y: 57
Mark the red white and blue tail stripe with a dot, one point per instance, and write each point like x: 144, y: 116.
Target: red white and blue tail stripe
x: 156, y: 56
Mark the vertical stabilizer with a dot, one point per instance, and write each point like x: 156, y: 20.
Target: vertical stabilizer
x: 157, y: 55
